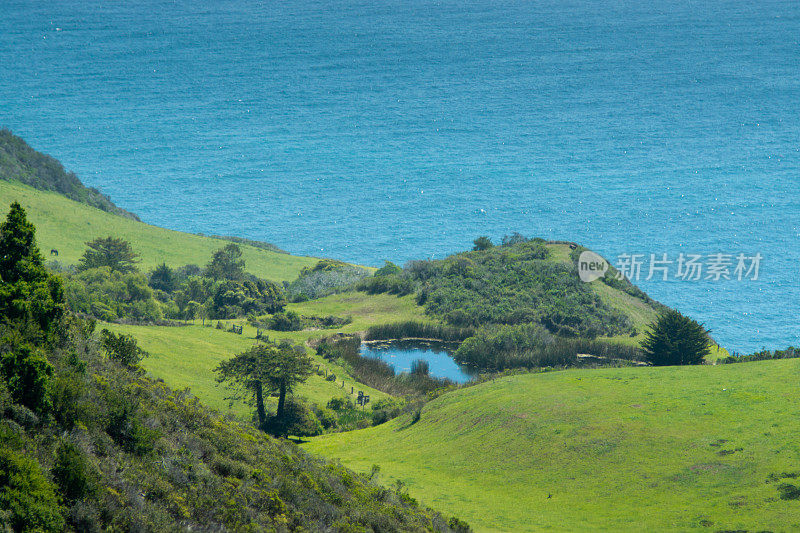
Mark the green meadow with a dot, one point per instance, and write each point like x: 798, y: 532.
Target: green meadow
x: 66, y: 226
x: 616, y: 449
x: 185, y: 356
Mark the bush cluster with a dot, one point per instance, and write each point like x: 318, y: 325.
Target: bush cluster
x: 511, y: 284
x: 326, y: 277
x: 116, y: 291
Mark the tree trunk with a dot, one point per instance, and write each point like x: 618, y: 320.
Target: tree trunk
x: 281, y: 400
x: 262, y: 413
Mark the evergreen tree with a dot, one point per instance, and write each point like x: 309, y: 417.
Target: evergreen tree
x: 20, y: 259
x: 28, y: 293
x: 675, y: 339
x: 482, y: 243
x: 162, y: 278
x: 114, y: 253
x: 27, y: 374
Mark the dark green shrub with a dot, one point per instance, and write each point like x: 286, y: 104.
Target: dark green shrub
x: 122, y: 348
x: 458, y: 525
x: 388, y: 269
x: 125, y: 427
x: 288, y: 321
x: 385, y: 410
x: 339, y: 404
x: 27, y: 374
x: 297, y: 420
x: 67, y: 392
x: 72, y: 472
x: 27, y: 499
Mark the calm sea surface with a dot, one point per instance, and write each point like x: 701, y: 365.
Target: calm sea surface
x: 403, y: 129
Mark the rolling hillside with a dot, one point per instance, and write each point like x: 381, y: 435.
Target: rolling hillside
x: 186, y: 356
x: 66, y: 225
x: 638, y: 449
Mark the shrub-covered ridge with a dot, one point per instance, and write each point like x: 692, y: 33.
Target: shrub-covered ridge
x: 515, y: 283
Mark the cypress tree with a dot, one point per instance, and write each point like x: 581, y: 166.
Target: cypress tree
x: 675, y: 339
x: 28, y: 293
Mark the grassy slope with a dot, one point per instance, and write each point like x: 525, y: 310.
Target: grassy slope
x: 67, y: 225
x: 617, y: 449
x: 185, y: 356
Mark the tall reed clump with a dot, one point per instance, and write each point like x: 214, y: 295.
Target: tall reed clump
x: 530, y: 346
x: 418, y: 330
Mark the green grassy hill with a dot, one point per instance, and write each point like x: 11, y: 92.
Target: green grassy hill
x: 638, y: 449
x: 21, y: 163
x: 66, y: 225
x: 186, y: 356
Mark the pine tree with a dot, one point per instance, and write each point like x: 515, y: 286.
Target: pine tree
x: 675, y: 339
x: 163, y: 278
x: 20, y: 259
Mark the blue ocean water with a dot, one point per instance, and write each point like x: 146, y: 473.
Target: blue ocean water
x: 372, y: 130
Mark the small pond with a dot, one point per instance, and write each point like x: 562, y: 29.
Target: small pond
x: 400, y: 354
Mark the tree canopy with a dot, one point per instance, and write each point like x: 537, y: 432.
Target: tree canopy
x: 111, y: 252
x: 163, y: 278
x: 227, y: 263
x: 266, y: 368
x: 482, y: 243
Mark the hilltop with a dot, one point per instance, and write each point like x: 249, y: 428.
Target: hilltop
x: 20, y: 162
